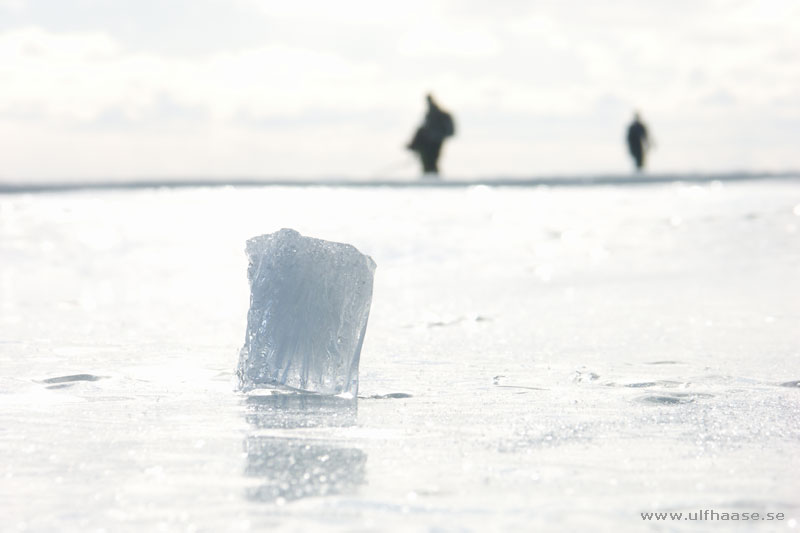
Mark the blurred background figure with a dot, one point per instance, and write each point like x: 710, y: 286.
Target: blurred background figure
x: 638, y: 141
x: 429, y: 137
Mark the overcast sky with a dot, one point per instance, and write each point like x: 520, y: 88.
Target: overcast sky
x: 110, y: 89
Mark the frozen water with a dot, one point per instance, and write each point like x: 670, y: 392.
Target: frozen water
x: 538, y: 359
x: 309, y: 305
x: 291, y: 469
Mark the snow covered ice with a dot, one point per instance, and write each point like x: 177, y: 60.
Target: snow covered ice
x: 309, y: 305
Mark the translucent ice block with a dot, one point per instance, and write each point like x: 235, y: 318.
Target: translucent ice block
x: 309, y: 304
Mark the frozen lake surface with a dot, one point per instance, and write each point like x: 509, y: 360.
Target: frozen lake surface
x: 558, y: 359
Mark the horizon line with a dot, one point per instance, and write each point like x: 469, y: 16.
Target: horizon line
x: 17, y: 187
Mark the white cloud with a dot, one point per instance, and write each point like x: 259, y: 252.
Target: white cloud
x: 80, y: 75
x: 429, y: 39
x: 12, y: 5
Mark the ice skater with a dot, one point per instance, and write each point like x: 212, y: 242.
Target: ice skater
x: 638, y: 141
x: 429, y: 137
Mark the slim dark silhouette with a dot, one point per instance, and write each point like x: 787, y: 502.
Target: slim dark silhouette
x: 638, y: 141
x: 429, y: 137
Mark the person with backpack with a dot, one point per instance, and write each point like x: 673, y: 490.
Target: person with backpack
x: 429, y: 137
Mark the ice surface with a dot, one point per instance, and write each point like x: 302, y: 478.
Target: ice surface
x: 653, y: 368
x: 309, y: 305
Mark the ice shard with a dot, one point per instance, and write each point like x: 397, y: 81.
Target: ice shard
x: 309, y: 305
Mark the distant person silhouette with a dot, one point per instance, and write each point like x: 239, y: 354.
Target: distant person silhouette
x: 427, y: 142
x: 638, y: 141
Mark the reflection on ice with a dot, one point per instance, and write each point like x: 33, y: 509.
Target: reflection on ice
x: 291, y: 468
x: 299, y: 410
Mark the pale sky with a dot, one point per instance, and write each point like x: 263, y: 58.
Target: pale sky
x: 119, y: 89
